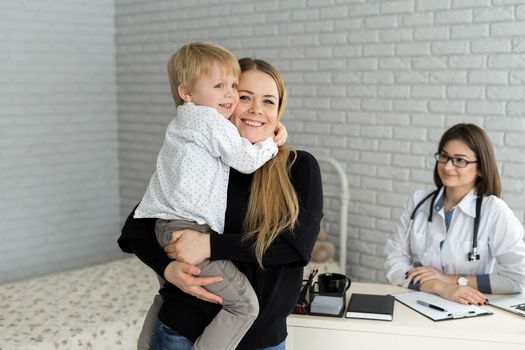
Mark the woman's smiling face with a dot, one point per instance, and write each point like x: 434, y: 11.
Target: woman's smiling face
x: 256, y: 115
x: 459, y: 179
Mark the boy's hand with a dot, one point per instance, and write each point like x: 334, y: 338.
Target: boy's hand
x: 281, y: 134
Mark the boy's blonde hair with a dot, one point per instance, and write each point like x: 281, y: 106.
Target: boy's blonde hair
x: 192, y: 60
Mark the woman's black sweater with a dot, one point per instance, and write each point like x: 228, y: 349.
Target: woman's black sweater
x: 277, y: 286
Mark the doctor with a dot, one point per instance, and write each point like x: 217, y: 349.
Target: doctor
x: 440, y: 250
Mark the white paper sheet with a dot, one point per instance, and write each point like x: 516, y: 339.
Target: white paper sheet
x: 452, y: 309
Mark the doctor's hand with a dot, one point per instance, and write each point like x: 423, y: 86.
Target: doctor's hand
x: 424, y: 274
x: 183, y: 276
x: 189, y: 246
x: 460, y: 294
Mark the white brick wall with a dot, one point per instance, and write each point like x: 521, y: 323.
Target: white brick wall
x: 59, y: 199
x: 372, y: 83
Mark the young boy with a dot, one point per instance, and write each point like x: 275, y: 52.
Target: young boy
x: 188, y: 189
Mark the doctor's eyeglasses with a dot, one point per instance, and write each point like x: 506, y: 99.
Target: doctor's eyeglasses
x: 457, y: 162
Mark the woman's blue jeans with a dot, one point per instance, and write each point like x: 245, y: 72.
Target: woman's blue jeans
x: 166, y: 338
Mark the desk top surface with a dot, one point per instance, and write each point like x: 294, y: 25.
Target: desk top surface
x: 501, y: 326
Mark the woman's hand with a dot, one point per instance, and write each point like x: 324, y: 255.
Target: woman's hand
x: 189, y: 246
x: 424, y: 274
x: 182, y: 275
x: 460, y: 294
x: 281, y: 134
x: 463, y: 295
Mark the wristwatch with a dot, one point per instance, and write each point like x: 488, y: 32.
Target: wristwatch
x: 462, y: 280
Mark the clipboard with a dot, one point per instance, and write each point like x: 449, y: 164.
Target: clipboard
x: 451, y: 309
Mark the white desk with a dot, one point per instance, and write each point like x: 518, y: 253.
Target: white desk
x: 408, y: 330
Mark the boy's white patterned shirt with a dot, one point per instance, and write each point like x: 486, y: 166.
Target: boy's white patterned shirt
x: 191, y: 177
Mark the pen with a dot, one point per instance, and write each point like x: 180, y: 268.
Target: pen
x: 462, y: 314
x: 302, y: 296
x: 432, y: 306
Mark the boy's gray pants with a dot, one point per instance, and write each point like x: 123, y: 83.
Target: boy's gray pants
x: 239, y: 309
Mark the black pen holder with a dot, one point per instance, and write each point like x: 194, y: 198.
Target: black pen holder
x: 310, y: 292
x: 305, y: 299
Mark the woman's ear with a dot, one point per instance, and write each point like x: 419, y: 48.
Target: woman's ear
x: 184, y: 94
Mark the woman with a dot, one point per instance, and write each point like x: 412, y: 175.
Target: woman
x: 439, y: 252
x: 271, y: 223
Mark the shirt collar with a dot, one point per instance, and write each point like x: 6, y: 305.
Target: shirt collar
x: 467, y: 204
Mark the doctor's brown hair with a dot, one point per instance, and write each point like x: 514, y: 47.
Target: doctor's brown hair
x: 475, y: 138
x: 273, y: 205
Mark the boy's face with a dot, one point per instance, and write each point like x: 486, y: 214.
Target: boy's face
x: 218, y: 89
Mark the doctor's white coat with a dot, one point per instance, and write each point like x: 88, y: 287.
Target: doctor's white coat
x: 501, y: 268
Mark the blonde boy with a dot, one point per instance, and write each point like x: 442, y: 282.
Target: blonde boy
x: 188, y: 189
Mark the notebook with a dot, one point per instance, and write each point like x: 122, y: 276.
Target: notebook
x: 370, y: 306
x: 437, y: 308
x: 514, y: 303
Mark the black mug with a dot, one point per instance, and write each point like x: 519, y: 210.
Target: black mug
x: 333, y: 283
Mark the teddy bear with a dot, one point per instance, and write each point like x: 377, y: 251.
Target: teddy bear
x: 323, y: 250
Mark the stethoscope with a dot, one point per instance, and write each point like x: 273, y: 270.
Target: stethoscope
x: 471, y: 256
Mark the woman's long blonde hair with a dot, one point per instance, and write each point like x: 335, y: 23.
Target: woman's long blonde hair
x: 273, y: 205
